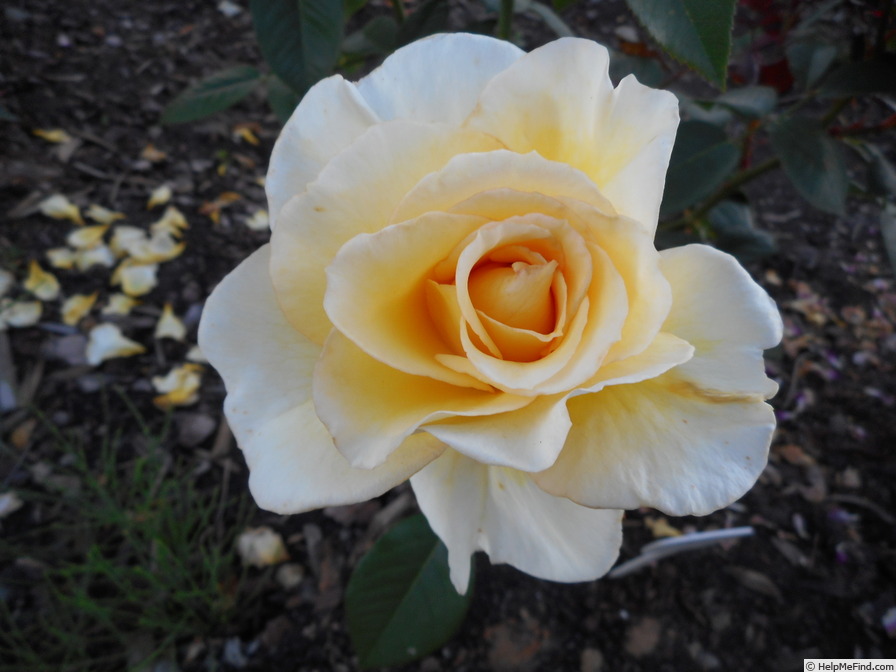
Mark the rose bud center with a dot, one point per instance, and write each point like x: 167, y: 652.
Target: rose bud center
x: 517, y: 294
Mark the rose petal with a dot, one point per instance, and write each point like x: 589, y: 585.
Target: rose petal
x: 77, y: 306
x: 58, y: 206
x: 726, y: 316
x: 376, y: 293
x: 328, y: 119
x: 370, y: 408
x: 349, y: 198
x: 621, y: 139
x: 660, y: 443
x: 85, y: 237
x: 169, y: 325
x: 467, y: 175
x: 404, y: 87
x: 267, y: 367
x: 135, y: 279
x: 471, y: 506
x: 106, y: 341
x: 102, y: 215
x: 41, y: 283
x: 19, y: 313
x: 119, y: 304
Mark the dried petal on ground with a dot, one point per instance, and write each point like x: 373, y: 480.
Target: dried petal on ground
x: 195, y: 355
x: 126, y: 239
x: 172, y: 222
x: 119, y: 304
x: 660, y: 527
x: 261, y: 547
x: 103, y: 215
x: 169, y: 325
x: 19, y: 313
x: 135, y: 279
x: 87, y: 237
x: 259, y: 221
x: 159, y: 196
x: 152, y: 154
x: 7, y: 280
x: 58, y: 206
x: 100, y: 255
x: 9, y: 503
x: 54, y: 135
x: 106, y: 341
x: 41, y: 283
x: 77, y: 306
x: 161, y: 247
x: 61, y: 257
x: 179, y: 387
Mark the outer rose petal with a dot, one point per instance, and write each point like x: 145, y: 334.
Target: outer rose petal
x: 472, y: 506
x: 370, y: 408
x: 267, y: 366
x: 620, y: 138
x: 696, y: 438
x: 438, y: 78
x: 376, y: 293
x: 329, y: 118
x: 659, y: 443
x: 730, y: 319
x: 355, y: 193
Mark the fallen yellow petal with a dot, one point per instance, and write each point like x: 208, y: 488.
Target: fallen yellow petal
x: 135, y: 279
x: 61, y: 257
x: 106, y: 341
x: 179, y: 387
x: 259, y: 221
x: 58, y: 206
x: 41, y: 283
x: 126, y: 239
x: 102, y: 215
x: 260, y: 547
x: 159, y: 196
x: 77, y: 306
x: 119, y: 304
x: 151, y: 154
x: 244, y: 131
x: 194, y: 354
x: 87, y: 236
x: 56, y: 135
x: 100, y: 255
x: 19, y: 313
x: 172, y: 222
x: 169, y: 325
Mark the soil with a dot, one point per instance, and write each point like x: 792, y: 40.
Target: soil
x: 818, y: 578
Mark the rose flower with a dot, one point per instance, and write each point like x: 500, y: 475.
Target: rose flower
x: 462, y: 289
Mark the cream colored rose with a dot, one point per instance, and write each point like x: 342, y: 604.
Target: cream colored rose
x: 462, y: 288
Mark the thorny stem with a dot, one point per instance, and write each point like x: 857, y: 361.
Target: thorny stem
x: 505, y: 18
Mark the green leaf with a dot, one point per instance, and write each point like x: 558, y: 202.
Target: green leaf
x: 735, y: 232
x: 400, y: 603
x: 646, y: 70
x: 281, y: 98
x: 377, y: 37
x: 813, y: 161
x: 750, y: 101
x: 429, y: 18
x: 888, y: 231
x: 560, y: 5
x: 861, y: 79
x: 211, y: 95
x: 300, y: 39
x: 702, y: 159
x: 809, y: 61
x: 696, y: 32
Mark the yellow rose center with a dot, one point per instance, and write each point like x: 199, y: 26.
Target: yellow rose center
x: 517, y: 294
